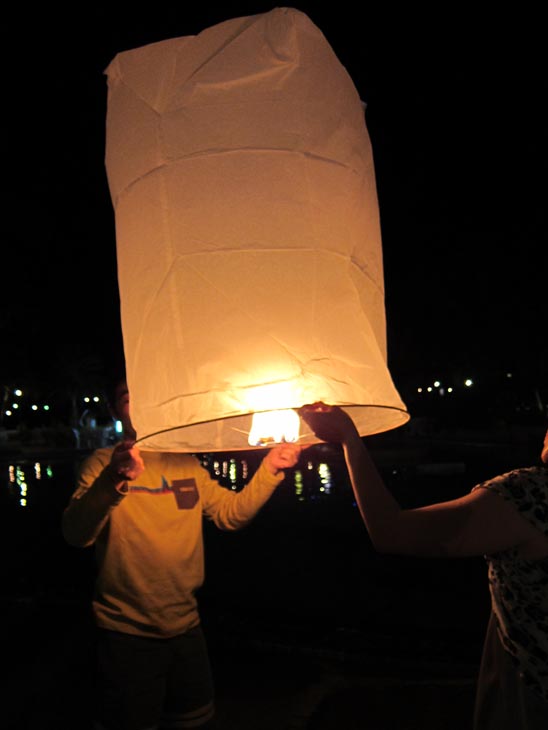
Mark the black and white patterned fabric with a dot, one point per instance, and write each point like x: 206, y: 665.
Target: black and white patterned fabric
x: 519, y: 587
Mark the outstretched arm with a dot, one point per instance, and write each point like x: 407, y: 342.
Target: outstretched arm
x: 476, y: 524
x: 232, y: 510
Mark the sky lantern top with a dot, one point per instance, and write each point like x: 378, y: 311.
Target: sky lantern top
x: 248, y: 236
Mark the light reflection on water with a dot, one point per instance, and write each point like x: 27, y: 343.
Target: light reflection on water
x: 25, y: 482
x: 24, y: 476
x: 305, y: 482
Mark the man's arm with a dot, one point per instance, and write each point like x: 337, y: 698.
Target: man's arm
x: 101, y: 487
x: 232, y: 510
x: 476, y: 524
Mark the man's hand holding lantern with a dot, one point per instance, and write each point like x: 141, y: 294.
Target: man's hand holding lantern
x: 283, y: 456
x: 126, y: 462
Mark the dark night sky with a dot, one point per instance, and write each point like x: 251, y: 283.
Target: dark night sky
x: 455, y: 115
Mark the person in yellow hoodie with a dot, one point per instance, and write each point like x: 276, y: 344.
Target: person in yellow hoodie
x: 506, y: 520
x: 143, y: 514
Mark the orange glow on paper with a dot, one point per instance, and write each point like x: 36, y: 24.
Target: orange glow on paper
x: 248, y: 236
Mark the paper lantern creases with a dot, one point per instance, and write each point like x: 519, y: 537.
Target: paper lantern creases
x: 248, y: 236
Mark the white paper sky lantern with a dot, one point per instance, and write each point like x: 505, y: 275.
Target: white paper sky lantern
x: 248, y: 236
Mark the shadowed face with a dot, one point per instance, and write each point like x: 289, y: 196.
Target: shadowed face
x: 120, y: 409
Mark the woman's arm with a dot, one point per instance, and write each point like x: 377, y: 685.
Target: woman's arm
x: 478, y: 523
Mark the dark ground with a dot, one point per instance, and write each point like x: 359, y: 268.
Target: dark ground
x: 339, y: 679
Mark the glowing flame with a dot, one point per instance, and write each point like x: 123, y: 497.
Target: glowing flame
x: 274, y: 427
x: 272, y: 421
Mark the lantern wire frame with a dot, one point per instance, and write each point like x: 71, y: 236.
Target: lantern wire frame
x: 307, y: 437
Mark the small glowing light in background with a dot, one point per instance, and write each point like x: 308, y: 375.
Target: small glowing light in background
x: 429, y: 389
x: 299, y: 486
x: 20, y: 480
x: 34, y: 407
x: 233, y: 474
x: 37, y: 470
x: 118, y: 426
x: 46, y: 407
x: 96, y: 399
x: 86, y: 399
x: 9, y: 413
x: 449, y: 390
x: 437, y: 384
x: 18, y: 392
x: 15, y: 405
x: 508, y: 375
x: 419, y: 390
x: 325, y: 478
x: 468, y: 382
x: 49, y: 472
x: 11, y: 473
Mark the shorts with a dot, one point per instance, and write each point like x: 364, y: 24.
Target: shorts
x: 144, y: 684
